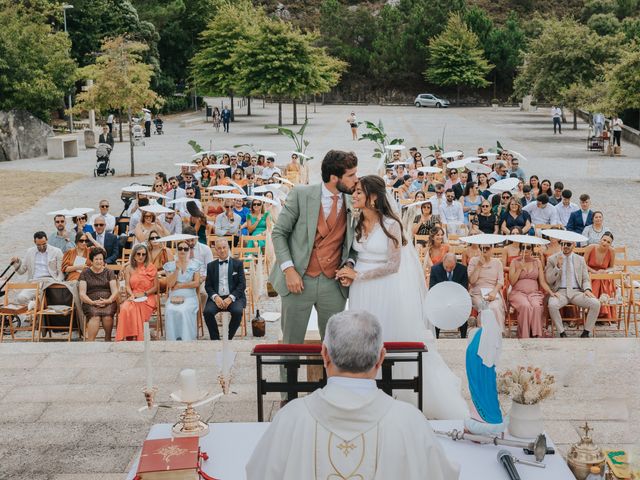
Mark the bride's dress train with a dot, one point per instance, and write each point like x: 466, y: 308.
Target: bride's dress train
x: 390, y: 284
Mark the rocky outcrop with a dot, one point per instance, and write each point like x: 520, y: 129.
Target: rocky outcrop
x: 22, y: 135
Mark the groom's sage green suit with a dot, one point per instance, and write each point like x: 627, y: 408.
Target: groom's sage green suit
x: 316, y: 245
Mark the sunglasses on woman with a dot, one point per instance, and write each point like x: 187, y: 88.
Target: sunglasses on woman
x: 257, y: 204
x: 141, y: 254
x: 183, y: 249
x: 153, y: 238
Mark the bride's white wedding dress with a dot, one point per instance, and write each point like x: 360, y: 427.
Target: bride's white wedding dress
x: 390, y: 284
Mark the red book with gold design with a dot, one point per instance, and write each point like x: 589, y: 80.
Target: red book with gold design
x: 170, y: 459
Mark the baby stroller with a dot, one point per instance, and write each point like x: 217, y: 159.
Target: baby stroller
x: 158, y: 123
x: 102, y: 163
x: 138, y: 133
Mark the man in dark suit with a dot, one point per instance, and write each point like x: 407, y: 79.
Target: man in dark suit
x: 225, y: 285
x: 189, y: 182
x: 581, y: 218
x: 458, y: 188
x: 450, y: 271
x: 107, y: 241
x: 106, y: 137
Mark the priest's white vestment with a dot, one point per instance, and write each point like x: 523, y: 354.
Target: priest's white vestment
x: 349, y: 430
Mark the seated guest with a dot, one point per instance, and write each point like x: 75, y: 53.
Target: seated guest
x: 250, y: 184
x: 436, y: 247
x: 450, y: 271
x: 140, y: 285
x: 175, y: 192
x: 352, y: 411
x: 451, y: 214
x: 596, y: 230
x: 181, y: 311
x: 143, y: 229
x: 460, y: 188
x: 106, y: 240
x: 76, y: 260
x: 42, y: 263
x: 526, y: 277
x: 159, y: 254
x: 565, y: 207
x: 487, y: 222
x: 511, y: 251
x: 171, y: 222
x: 238, y: 177
x: 486, y: 273
x: 527, y: 196
x: 205, y: 178
x: 568, y: 276
x: 99, y: 294
x: 225, y: 287
x: 404, y: 190
x: 423, y: 223
x: 472, y: 250
x: 81, y: 224
x: 258, y: 222
x: 515, y: 217
x: 110, y: 220
x: 189, y: 182
x: 470, y: 199
x: 601, y: 258
x: 198, y: 220
x: 242, y: 211
x: 270, y: 168
x: 293, y: 166
x: 581, y: 218
x: 228, y: 223
x: 557, y: 197
x: 452, y: 180
x: 541, y: 212
x: 61, y: 238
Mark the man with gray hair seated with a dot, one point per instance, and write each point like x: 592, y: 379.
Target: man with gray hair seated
x: 350, y: 428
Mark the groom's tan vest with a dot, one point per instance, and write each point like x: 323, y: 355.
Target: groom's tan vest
x: 327, y: 246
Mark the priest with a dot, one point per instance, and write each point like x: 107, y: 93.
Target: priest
x: 350, y: 429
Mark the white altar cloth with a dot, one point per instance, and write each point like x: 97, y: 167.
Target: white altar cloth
x: 230, y: 445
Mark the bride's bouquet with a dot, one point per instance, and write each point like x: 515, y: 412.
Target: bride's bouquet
x: 526, y: 385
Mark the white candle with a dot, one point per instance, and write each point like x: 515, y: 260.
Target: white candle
x: 225, y: 344
x: 147, y: 355
x: 188, y: 385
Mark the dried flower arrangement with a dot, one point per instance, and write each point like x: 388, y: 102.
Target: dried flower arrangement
x: 526, y: 385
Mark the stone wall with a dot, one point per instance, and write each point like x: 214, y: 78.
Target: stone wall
x: 22, y: 135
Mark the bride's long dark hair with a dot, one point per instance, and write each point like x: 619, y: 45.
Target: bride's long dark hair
x: 374, y: 185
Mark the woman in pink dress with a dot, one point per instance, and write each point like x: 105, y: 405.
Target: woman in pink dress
x: 141, y: 285
x: 527, y: 285
x: 486, y: 279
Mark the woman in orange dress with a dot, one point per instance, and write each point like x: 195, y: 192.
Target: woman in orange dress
x: 436, y: 248
x: 72, y: 268
x: 140, y: 282
x: 601, y: 258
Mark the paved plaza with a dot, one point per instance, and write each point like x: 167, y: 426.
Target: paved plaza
x: 70, y: 411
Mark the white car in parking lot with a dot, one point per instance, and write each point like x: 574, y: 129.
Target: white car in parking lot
x: 430, y: 100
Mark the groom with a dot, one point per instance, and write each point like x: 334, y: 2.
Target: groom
x: 312, y: 240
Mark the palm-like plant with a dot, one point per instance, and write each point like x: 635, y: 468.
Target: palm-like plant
x: 298, y: 137
x: 376, y: 134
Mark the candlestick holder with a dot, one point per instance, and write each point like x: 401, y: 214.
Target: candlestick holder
x: 149, y: 395
x: 225, y: 382
x: 189, y: 422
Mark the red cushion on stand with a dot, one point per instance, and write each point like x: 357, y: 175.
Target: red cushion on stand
x: 276, y: 348
x: 403, y: 345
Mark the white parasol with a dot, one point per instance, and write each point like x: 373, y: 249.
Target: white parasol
x: 452, y: 154
x: 394, y: 148
x: 474, y: 159
x: 528, y: 239
x: 395, y: 164
x: 176, y: 238
x: 488, y: 154
x: 156, y: 209
x: 448, y: 305
x: 223, y: 152
x: 263, y: 199
x: 477, y: 167
x: 186, y: 164
x: 458, y: 163
x: 152, y: 195
x: 221, y: 188
x: 267, y: 188
x: 199, y: 154
x: 217, y: 166
x: 429, y: 169
x: 181, y: 200
x: 564, y: 235
x: 146, y: 110
x: 518, y: 155
x: 267, y: 153
x: 74, y: 212
x: 233, y: 196
x: 415, y: 204
x: 483, y: 239
x: 136, y: 188
x: 506, y: 185
x: 284, y: 180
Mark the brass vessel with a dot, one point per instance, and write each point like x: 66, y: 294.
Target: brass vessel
x: 585, y: 454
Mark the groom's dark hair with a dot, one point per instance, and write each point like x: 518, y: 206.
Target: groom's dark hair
x: 337, y: 162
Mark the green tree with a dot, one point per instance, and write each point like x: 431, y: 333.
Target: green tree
x: 280, y: 61
x: 36, y: 69
x: 623, y: 81
x: 456, y: 58
x: 121, y: 82
x: 505, y: 49
x: 212, y: 67
x: 566, y: 53
x: 604, y: 23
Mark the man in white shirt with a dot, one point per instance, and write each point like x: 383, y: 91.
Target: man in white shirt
x: 203, y: 254
x: 175, y: 192
x: 438, y: 200
x: 171, y: 222
x: 541, y: 212
x: 147, y: 123
x: 568, y: 278
x: 104, y: 212
x: 270, y: 169
x: 228, y: 223
x: 110, y: 122
x: 451, y: 214
x: 556, y: 115
x: 616, y: 128
x: 350, y: 428
x: 565, y: 208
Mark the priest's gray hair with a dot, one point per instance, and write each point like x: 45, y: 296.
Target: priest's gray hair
x: 354, y: 340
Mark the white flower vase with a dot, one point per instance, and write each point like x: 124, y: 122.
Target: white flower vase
x: 525, y: 421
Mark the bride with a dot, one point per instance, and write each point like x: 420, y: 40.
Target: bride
x: 388, y: 281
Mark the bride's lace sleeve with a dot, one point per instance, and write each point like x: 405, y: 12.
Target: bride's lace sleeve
x: 392, y: 265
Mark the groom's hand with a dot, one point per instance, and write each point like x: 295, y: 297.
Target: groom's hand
x: 294, y: 280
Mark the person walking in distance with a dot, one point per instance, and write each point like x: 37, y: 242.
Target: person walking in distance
x: 226, y: 118
x: 556, y: 114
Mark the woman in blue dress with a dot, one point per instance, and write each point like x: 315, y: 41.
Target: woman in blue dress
x: 183, y: 281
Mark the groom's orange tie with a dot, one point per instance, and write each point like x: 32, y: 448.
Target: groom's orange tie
x: 333, y: 214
